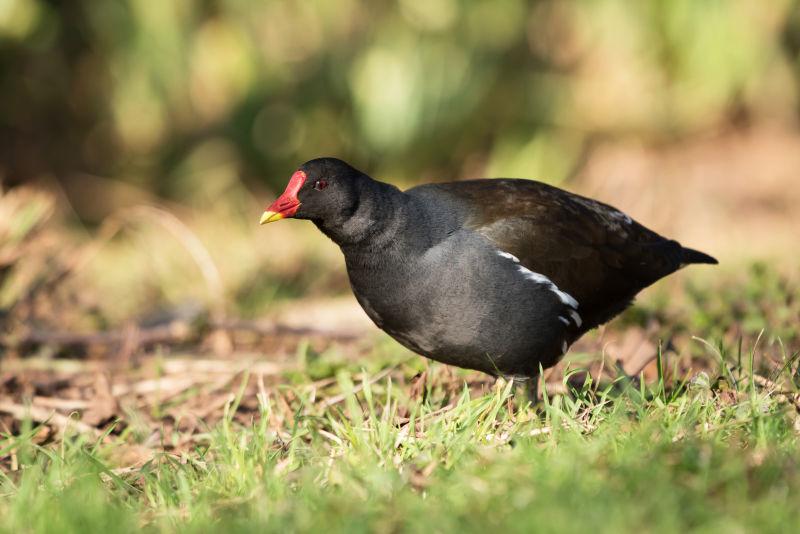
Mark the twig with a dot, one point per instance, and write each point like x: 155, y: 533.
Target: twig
x: 174, y: 332
x: 48, y: 417
x: 170, y: 333
x: 223, y: 367
x: 402, y: 421
x: 61, y: 404
x: 330, y: 401
x: 169, y: 386
x: 774, y: 389
x: 279, y: 329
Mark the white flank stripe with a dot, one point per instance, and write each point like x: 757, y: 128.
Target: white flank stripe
x: 565, y: 297
x: 563, y: 320
x: 564, y: 347
x: 507, y: 255
x: 576, y: 318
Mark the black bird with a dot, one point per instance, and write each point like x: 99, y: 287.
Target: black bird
x: 498, y: 275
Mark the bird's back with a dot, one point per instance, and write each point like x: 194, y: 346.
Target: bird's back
x: 591, y: 250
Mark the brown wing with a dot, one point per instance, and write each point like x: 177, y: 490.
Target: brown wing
x: 591, y: 250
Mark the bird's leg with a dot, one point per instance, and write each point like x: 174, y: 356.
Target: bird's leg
x: 533, y: 390
x: 530, y: 386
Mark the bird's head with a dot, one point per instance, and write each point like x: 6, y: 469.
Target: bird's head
x: 322, y: 189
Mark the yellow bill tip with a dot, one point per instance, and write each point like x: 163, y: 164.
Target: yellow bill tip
x: 270, y: 216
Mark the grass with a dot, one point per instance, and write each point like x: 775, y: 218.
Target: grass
x: 716, y: 453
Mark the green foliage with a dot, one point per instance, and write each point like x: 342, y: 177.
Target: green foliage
x: 173, y: 95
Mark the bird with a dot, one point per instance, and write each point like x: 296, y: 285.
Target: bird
x: 497, y: 275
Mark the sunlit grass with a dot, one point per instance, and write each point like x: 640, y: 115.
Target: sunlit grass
x: 714, y: 453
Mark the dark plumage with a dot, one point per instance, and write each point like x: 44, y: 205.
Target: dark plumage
x: 496, y: 275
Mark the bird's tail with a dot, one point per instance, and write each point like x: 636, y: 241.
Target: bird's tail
x: 689, y: 255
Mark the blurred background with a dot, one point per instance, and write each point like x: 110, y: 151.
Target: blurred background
x: 683, y: 113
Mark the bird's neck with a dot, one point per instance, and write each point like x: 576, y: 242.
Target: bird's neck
x: 376, y: 221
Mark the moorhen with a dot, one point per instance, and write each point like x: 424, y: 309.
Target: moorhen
x: 498, y: 275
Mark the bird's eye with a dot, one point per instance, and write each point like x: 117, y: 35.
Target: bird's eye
x: 319, y: 185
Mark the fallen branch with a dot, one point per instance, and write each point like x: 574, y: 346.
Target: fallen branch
x: 175, y: 332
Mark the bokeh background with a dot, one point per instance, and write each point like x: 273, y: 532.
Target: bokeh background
x: 683, y: 113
